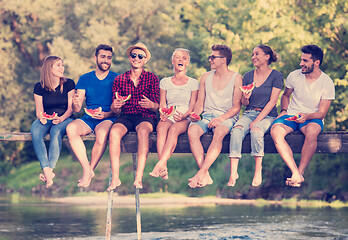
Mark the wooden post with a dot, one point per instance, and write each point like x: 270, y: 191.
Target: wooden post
x: 109, y: 211
x: 137, y: 201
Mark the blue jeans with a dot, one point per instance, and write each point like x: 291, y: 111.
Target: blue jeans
x: 56, y: 131
x: 257, y: 141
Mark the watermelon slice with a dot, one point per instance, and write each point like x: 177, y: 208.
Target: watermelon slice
x: 48, y: 116
x: 247, y: 88
x: 93, y: 112
x: 293, y: 118
x: 168, y: 111
x: 121, y: 98
x: 196, y: 116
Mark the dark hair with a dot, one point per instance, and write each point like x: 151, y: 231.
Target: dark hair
x: 315, y: 51
x: 268, y: 51
x: 224, y: 50
x: 102, y: 47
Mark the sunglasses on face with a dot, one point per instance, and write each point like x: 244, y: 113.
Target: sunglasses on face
x: 140, y: 56
x: 212, y: 57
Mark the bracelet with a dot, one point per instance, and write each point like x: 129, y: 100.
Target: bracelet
x: 284, y: 110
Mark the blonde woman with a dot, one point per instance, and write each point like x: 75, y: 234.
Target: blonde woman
x: 53, y: 96
x: 180, y: 91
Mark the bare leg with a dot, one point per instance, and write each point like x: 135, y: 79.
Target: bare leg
x: 175, y: 130
x: 101, y: 138
x: 75, y: 130
x: 278, y: 132
x: 311, y: 132
x: 257, y: 180
x: 117, y: 131
x: 162, y: 133
x: 201, y: 179
x: 234, y: 172
x: 143, y: 130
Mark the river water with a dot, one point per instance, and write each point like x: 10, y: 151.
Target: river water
x: 40, y: 220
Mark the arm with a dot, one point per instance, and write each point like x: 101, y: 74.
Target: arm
x: 151, y: 102
x: 236, y: 106
x: 285, y: 100
x: 269, y: 106
x: 199, y: 105
x: 163, y: 103
x: 320, y: 114
x: 77, y: 99
x: 193, y: 100
x: 39, y: 108
x: 68, y: 112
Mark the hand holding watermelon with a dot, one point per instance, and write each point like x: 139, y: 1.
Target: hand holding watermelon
x: 93, y: 112
x: 167, y: 112
x: 293, y: 118
x: 248, y: 88
x: 195, y: 117
x: 122, y: 98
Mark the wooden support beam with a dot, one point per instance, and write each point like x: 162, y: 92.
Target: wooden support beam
x: 328, y: 142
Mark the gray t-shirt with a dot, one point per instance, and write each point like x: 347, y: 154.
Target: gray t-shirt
x: 261, y: 95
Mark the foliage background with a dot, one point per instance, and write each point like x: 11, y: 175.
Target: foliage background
x: 33, y: 29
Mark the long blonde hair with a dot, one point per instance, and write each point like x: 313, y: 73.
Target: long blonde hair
x: 46, y: 79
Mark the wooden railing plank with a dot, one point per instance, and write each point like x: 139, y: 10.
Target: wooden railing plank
x: 328, y: 142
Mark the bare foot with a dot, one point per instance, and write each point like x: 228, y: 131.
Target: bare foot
x: 42, y: 177
x: 138, y: 184
x: 86, y: 179
x: 115, y: 182
x: 160, y: 170
x: 257, y: 180
x: 197, y: 180
x: 207, y: 180
x: 233, y: 179
x: 164, y: 174
x: 295, y: 180
x: 48, y: 176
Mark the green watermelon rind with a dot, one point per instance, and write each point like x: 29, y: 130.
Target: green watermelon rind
x: 247, y: 88
x: 93, y: 112
x: 48, y: 116
x: 121, y: 98
x: 164, y: 111
x: 193, y: 114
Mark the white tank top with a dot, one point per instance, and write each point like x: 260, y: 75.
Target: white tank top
x: 218, y: 102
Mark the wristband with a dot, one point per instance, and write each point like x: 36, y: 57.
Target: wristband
x: 283, y: 110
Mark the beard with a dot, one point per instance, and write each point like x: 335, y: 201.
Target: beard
x: 308, y: 70
x: 103, y: 68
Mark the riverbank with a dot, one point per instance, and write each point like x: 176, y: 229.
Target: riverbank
x: 172, y: 200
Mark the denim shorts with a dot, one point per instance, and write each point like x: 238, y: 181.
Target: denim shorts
x: 92, y: 123
x: 229, y: 123
x: 297, y: 126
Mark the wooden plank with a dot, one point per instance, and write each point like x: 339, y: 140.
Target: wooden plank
x: 328, y: 142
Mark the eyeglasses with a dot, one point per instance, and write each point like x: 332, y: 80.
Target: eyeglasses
x: 212, y: 57
x: 140, y: 56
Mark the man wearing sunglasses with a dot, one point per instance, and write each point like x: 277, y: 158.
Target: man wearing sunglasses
x: 138, y: 113
x: 219, y: 102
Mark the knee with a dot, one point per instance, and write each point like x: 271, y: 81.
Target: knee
x: 237, y: 132
x: 275, y: 133
x: 193, y: 132
x: 143, y: 132
x: 256, y: 133
x: 71, y: 130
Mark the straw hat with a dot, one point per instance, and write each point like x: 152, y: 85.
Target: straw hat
x: 140, y: 46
